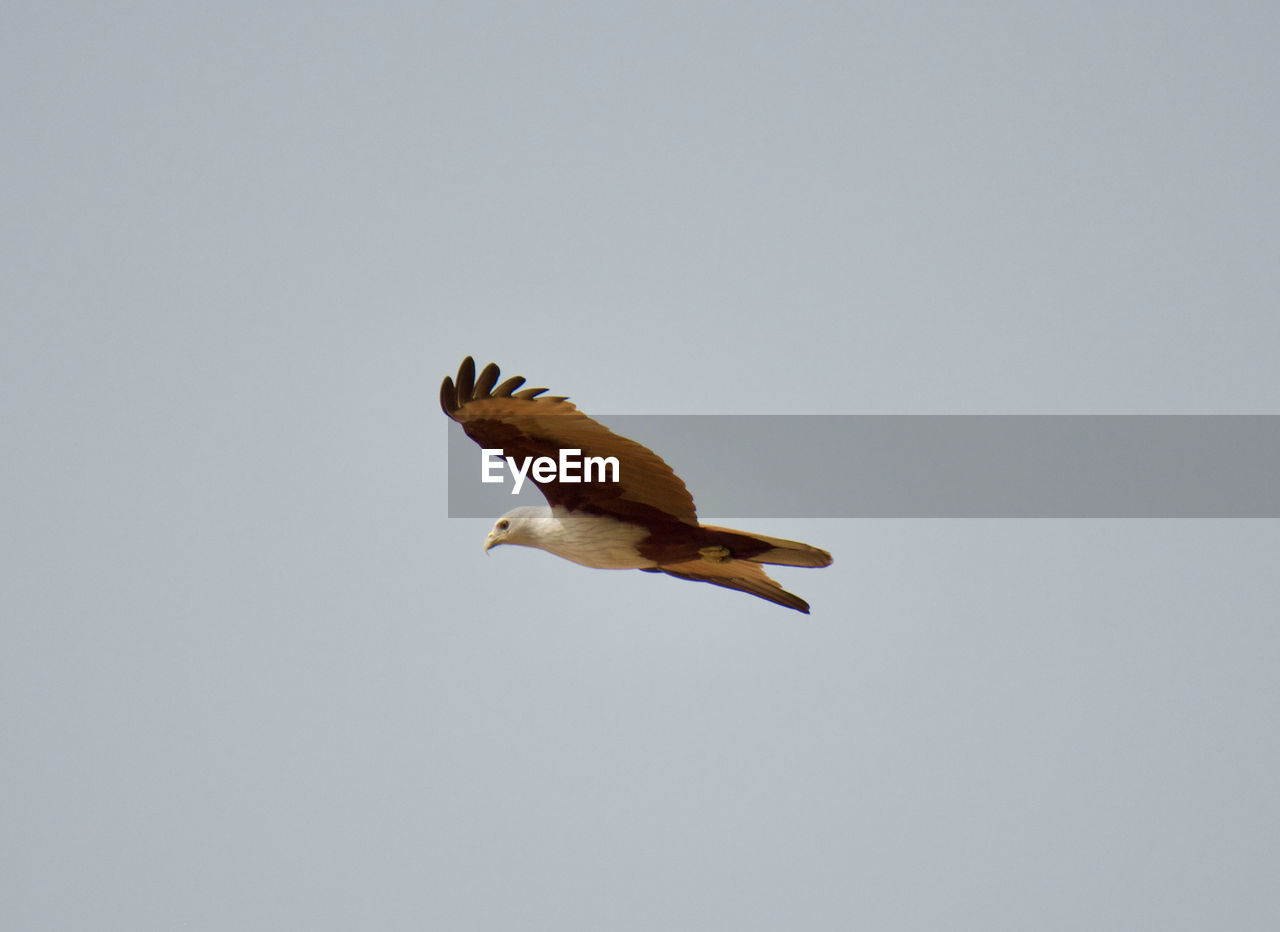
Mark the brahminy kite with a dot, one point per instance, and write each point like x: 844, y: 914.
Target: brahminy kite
x: 644, y: 520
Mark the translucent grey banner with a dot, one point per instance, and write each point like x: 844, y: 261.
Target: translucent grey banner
x: 937, y: 466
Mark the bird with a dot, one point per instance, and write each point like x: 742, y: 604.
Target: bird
x: 645, y: 520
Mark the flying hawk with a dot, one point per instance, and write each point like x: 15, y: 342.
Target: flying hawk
x: 645, y: 520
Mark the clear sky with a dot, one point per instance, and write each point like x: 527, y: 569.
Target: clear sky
x: 251, y: 677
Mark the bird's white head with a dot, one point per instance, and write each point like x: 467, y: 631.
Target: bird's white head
x: 517, y: 526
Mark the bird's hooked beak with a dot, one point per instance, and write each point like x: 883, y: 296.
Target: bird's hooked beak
x: 498, y: 534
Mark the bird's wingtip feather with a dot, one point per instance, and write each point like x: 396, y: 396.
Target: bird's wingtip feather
x: 466, y: 379
x: 487, y: 379
x: 448, y: 396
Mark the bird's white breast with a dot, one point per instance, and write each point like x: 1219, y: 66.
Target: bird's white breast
x: 592, y: 540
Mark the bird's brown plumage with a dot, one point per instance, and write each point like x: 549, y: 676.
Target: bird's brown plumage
x: 529, y: 423
x: 736, y: 574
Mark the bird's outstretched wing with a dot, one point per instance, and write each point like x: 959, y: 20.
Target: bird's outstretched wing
x: 521, y: 424
x: 735, y: 574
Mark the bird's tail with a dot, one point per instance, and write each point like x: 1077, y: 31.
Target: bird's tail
x: 774, y: 550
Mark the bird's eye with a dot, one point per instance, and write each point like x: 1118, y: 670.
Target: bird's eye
x: 503, y: 525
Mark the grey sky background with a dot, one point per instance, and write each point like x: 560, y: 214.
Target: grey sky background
x: 252, y: 677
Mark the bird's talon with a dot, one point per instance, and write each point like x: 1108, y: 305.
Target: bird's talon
x: 715, y: 554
